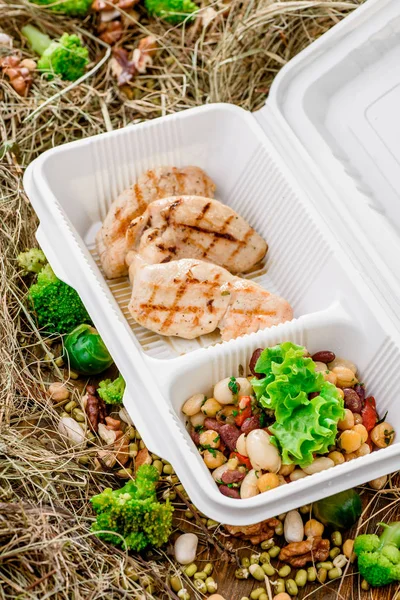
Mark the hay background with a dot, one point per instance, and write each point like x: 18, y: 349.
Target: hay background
x: 46, y: 550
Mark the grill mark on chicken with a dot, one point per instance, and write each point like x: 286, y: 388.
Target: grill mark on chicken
x: 180, y: 292
x: 139, y: 197
x: 215, y: 238
x: 245, y: 241
x: 203, y: 212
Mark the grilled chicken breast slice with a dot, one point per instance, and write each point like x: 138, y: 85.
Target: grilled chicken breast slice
x: 152, y: 185
x: 195, y: 227
x: 188, y: 298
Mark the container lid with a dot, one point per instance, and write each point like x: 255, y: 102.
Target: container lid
x: 340, y: 97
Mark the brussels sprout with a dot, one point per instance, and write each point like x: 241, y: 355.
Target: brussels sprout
x: 340, y: 511
x: 86, y: 351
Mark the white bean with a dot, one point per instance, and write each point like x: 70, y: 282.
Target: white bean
x: 342, y: 362
x: 185, y: 548
x: 245, y: 388
x: 262, y: 454
x: 340, y: 561
x: 320, y: 367
x: 319, y: 464
x: 222, y: 392
x: 198, y: 419
x: 249, y: 487
x: 297, y: 474
x: 193, y: 405
x: 241, y: 444
x: 70, y: 428
x: 293, y: 528
x: 219, y: 471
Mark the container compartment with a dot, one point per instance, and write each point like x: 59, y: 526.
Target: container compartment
x: 84, y: 177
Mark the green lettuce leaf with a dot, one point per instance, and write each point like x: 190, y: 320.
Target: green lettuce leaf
x: 303, y: 426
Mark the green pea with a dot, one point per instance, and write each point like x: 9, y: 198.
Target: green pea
x: 200, y: 575
x: 211, y: 524
x: 279, y: 529
x: 133, y: 450
x: 158, y: 465
x: 257, y: 572
x: 142, y: 445
x: 183, y: 594
x: 264, y: 558
x: 191, y: 570
x: 189, y: 514
x: 279, y: 586
x: 305, y: 509
x: 263, y: 597
x: 282, y: 517
x: 131, y: 573
x: 284, y: 571
x: 311, y: 574
x: 291, y: 587
x: 268, y: 569
x: 200, y: 586
x: 365, y: 585
x: 211, y: 585
x: 254, y: 559
x: 168, y: 469
x: 255, y: 594
x: 244, y: 598
x: 335, y: 573
x: 208, y: 569
x: 175, y: 583
x: 70, y: 405
x: 245, y: 561
x: 336, y: 538
x: 274, y: 551
x: 301, y: 578
x: 138, y: 436
x: 150, y: 589
x: 322, y: 575
x: 334, y: 553
x: 242, y: 573
x: 267, y: 544
x: 325, y: 565
x: 83, y: 460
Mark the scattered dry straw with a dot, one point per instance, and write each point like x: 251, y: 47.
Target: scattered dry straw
x: 46, y: 548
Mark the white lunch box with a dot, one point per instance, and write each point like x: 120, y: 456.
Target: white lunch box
x: 317, y: 173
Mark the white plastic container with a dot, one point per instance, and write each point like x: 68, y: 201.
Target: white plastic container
x: 326, y: 206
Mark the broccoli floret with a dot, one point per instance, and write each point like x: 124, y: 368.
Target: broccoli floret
x: 112, y: 391
x: 134, y: 513
x: 32, y: 261
x: 74, y: 8
x: 173, y: 11
x: 379, y: 557
x: 65, y: 57
x: 57, y: 306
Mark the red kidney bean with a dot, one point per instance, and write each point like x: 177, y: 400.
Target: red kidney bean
x: 230, y: 492
x: 252, y: 364
x: 250, y: 423
x: 313, y: 395
x: 352, y: 400
x: 195, y: 436
x: 360, y: 389
x: 232, y: 476
x: 324, y: 356
x: 229, y: 435
x: 213, y: 424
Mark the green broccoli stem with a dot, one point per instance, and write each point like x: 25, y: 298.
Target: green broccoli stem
x: 38, y: 41
x: 390, y: 535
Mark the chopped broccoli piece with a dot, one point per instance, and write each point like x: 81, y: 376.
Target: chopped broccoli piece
x: 32, y: 261
x: 173, y: 11
x: 379, y: 557
x: 74, y: 8
x: 65, y: 57
x: 112, y: 391
x: 56, y: 305
x: 132, y: 516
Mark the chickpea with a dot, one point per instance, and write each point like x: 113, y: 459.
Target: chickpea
x: 382, y: 435
x: 210, y: 438
x: 210, y: 407
x: 227, y: 414
x: 330, y: 376
x: 58, y: 391
x: 213, y: 459
x: 313, y: 528
x: 268, y: 481
x: 349, y: 457
x: 345, y: 377
x: 363, y: 450
x: 337, y: 457
x: 350, y: 441
x: 357, y: 419
x: 348, y: 548
x: 378, y: 483
x: 340, y: 391
x: 362, y: 431
x: 193, y: 405
x: 285, y: 470
x: 347, y: 422
x: 198, y: 419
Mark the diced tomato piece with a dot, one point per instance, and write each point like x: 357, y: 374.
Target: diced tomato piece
x: 244, y: 410
x: 368, y: 413
x: 243, y: 460
x: 369, y: 442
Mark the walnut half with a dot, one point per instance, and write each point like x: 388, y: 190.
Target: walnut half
x: 298, y: 554
x: 256, y: 533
